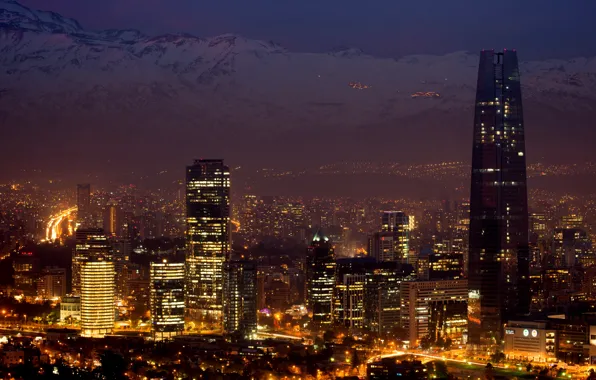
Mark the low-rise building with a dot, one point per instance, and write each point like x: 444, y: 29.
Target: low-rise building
x: 530, y: 341
x: 70, y: 309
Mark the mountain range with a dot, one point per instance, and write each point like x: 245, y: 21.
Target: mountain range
x: 76, y: 100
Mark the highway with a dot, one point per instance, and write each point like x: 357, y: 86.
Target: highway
x: 54, y: 227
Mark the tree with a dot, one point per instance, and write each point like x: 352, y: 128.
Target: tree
x: 543, y: 375
x: 348, y: 341
x: 448, y: 343
x: 489, y: 372
x: 425, y: 342
x: 328, y: 336
x: 113, y: 365
x: 497, y: 357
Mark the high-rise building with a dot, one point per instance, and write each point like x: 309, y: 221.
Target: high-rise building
x: 208, y: 237
x: 397, y: 223
x: 394, y: 220
x: 240, y: 298
x: 384, y: 246
x: 167, y: 298
x: 538, y: 224
x: 434, y: 309
x: 89, y: 242
x: 321, y: 280
x: 52, y: 283
x: 382, y: 296
x: 121, y: 249
x: 112, y: 219
x: 83, y: 204
x: 138, y: 287
x: 498, y: 266
x: 348, y: 303
x: 97, y: 296
x: 571, y: 246
x: 25, y: 273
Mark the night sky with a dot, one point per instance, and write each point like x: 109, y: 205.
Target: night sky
x: 133, y: 128
x: 542, y: 29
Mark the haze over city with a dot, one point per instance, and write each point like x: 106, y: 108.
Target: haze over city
x: 151, y: 103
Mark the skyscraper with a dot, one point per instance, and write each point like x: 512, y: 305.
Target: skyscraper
x: 112, y: 219
x: 167, y: 298
x: 393, y: 242
x: 121, y: 250
x: 83, y: 204
x: 208, y: 237
x: 52, y: 283
x: 321, y: 280
x: 498, y: 242
x: 97, y: 296
x: 89, y: 242
x: 350, y: 281
x: 240, y: 298
x: 393, y: 220
x: 398, y: 223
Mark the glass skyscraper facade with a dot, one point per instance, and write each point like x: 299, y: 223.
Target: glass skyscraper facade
x: 90, y: 242
x: 321, y: 280
x: 498, y: 242
x: 167, y: 298
x: 240, y: 298
x: 398, y: 224
x: 208, y: 238
x: 84, y: 204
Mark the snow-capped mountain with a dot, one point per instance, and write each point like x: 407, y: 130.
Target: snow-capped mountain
x: 232, y: 96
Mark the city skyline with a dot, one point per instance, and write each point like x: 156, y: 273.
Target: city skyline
x: 193, y: 200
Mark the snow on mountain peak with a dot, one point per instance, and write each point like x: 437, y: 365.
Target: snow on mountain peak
x: 346, y: 52
x: 241, y: 44
x: 17, y: 16
x: 122, y: 35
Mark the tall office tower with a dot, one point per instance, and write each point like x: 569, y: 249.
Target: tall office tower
x: 570, y: 247
x: 435, y: 309
x: 321, y: 280
x: 498, y: 242
x: 89, y: 242
x: 398, y: 223
x: 25, y: 268
x: 52, y: 283
x: 384, y: 246
x: 84, y: 204
x: 350, y: 281
x: 538, y: 225
x: 208, y: 237
x: 240, y: 298
x: 112, y: 219
x: 122, y: 250
x: 167, y: 297
x: 382, y: 296
x: 97, y: 296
